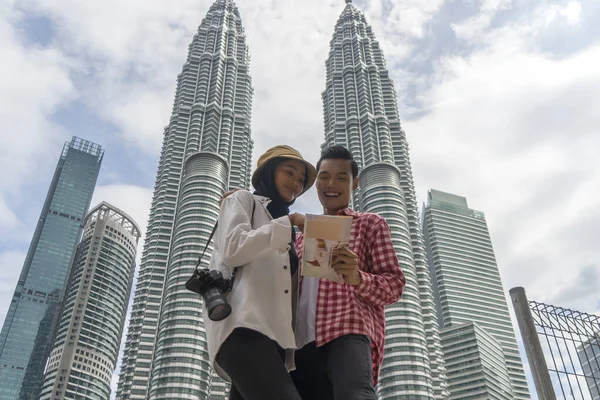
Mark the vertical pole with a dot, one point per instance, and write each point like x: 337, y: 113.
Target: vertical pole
x: 533, y: 348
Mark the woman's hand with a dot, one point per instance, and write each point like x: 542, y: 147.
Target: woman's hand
x: 297, y: 220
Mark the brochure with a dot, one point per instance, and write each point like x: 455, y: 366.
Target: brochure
x: 323, y: 234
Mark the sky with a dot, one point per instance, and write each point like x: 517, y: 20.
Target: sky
x: 498, y: 98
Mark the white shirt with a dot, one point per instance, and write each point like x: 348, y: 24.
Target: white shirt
x: 307, y: 311
x: 261, y: 298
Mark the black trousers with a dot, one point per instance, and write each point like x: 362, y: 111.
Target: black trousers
x: 256, y: 366
x: 339, y: 370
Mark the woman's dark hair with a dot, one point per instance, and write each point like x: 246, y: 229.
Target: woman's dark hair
x: 338, y: 153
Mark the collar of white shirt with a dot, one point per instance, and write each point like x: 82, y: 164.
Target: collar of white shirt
x: 262, y: 199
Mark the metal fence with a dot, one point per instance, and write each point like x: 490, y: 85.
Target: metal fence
x: 562, y: 346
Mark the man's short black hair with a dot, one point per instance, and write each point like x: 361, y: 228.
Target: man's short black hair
x: 338, y: 153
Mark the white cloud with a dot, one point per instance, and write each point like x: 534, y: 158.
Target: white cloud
x: 569, y: 14
x: 148, y: 40
x: 572, y: 12
x: 515, y: 131
x: 138, y: 110
x: 109, y: 43
x: 470, y: 28
x: 34, y: 83
x: 8, y: 219
x: 409, y: 18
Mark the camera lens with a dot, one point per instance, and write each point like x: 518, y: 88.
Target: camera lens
x: 219, y: 312
x: 216, y: 304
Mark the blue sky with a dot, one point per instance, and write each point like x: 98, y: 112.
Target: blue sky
x: 498, y: 99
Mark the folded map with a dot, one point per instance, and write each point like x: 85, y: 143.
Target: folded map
x: 323, y: 234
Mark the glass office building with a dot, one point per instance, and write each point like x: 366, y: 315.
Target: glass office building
x: 25, y: 340
x: 475, y: 364
x: 589, y: 357
x: 466, y: 279
x: 86, y: 346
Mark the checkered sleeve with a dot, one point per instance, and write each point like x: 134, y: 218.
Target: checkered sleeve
x: 383, y: 281
x: 299, y: 244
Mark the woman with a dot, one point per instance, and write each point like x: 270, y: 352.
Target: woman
x: 253, y: 347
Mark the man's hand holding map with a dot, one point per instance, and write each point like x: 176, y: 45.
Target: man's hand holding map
x: 323, y: 235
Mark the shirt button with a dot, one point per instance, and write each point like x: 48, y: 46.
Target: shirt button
x: 285, y: 267
x: 286, y: 291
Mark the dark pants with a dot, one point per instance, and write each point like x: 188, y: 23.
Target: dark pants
x: 340, y: 370
x: 256, y: 366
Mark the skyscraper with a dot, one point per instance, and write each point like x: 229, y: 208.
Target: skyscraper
x: 467, y: 282
x: 361, y: 113
x: 25, y: 340
x: 85, y: 350
x: 207, y: 148
x: 589, y: 357
x: 475, y: 364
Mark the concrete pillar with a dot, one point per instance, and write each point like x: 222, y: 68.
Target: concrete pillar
x: 533, y: 348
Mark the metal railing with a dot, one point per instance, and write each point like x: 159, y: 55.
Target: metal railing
x: 562, y: 346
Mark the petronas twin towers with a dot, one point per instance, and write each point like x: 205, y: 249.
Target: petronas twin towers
x: 207, y: 149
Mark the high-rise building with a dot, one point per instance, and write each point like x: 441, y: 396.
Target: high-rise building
x: 85, y: 349
x: 26, y: 337
x: 207, y: 148
x: 589, y: 357
x: 361, y: 113
x: 466, y: 280
x: 475, y: 364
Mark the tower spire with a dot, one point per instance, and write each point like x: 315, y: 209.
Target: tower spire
x: 348, y: 1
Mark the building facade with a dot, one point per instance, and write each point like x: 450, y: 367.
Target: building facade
x: 361, y: 113
x: 85, y: 350
x: 475, y: 364
x: 207, y: 149
x: 589, y: 357
x: 466, y: 280
x: 26, y: 337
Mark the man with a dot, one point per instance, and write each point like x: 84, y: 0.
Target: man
x: 340, y: 329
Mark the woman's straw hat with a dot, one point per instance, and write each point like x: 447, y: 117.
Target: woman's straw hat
x: 288, y: 152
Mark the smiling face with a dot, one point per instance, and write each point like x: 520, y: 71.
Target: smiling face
x: 290, y: 176
x: 335, y: 184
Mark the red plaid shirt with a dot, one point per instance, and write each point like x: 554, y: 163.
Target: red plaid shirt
x: 344, y: 309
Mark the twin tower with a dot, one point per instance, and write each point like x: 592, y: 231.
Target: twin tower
x: 207, y: 148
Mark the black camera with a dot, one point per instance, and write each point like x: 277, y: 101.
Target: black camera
x: 211, y: 285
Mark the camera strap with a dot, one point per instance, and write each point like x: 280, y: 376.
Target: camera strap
x: 210, y: 239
